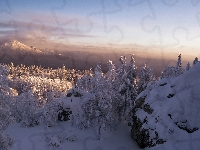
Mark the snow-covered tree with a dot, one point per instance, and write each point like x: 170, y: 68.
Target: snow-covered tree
x: 84, y: 83
x: 179, y: 62
x: 146, y: 77
x: 110, y: 76
x: 101, y: 110
x: 168, y: 72
x: 179, y: 70
x: 128, y: 94
x: 195, y: 61
x: 103, y: 106
x: 98, y: 79
x: 171, y: 71
x: 49, y: 116
x: 122, y: 68
x: 187, y: 67
x: 131, y: 70
x: 5, y: 108
x: 124, y: 85
x: 25, y: 109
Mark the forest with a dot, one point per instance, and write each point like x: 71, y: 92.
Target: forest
x: 33, y: 95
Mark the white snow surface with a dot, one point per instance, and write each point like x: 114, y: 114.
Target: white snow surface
x: 179, y: 98
x: 43, y: 138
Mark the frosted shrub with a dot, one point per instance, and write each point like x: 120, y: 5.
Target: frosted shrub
x: 25, y: 109
x: 50, y: 112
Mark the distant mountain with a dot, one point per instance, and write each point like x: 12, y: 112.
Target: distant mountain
x: 19, y: 53
x: 14, y: 45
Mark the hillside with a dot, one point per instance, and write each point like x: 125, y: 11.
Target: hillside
x: 168, y: 111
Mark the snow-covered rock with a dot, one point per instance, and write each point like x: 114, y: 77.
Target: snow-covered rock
x: 166, y: 108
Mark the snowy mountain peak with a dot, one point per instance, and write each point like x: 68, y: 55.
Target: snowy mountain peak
x: 13, y: 44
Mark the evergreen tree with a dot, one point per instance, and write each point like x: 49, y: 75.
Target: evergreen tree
x: 84, y: 83
x: 131, y: 70
x: 122, y: 68
x: 98, y: 79
x: 103, y: 108
x: 171, y: 71
x: 195, y: 61
x: 187, y: 67
x: 168, y: 72
x: 179, y: 69
x: 179, y: 62
x: 110, y: 76
x: 146, y: 77
x: 125, y: 86
x: 128, y: 94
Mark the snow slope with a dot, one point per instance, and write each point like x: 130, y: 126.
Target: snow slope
x: 175, y: 105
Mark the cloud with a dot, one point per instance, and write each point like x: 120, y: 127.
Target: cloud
x: 38, y: 32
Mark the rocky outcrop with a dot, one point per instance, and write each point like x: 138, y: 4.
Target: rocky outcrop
x: 139, y: 134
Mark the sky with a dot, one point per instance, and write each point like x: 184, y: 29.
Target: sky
x: 162, y: 26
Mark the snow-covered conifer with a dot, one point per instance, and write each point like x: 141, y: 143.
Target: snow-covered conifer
x: 146, y: 77
x: 179, y: 62
x: 111, y: 74
x: 100, y: 110
x: 171, y: 71
x: 97, y: 82
x: 179, y: 70
x: 84, y: 83
x: 195, y: 61
x: 131, y: 70
x: 187, y: 66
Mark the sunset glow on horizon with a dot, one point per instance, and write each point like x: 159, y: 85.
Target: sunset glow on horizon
x: 167, y: 25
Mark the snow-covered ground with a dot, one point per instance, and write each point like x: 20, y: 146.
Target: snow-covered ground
x: 43, y: 138
x: 39, y: 138
x: 47, y: 138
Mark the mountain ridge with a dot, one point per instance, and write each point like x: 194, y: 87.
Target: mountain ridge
x: 15, y: 45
